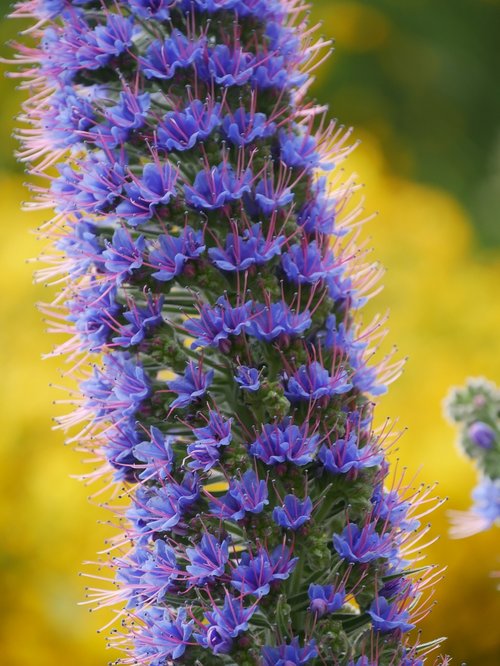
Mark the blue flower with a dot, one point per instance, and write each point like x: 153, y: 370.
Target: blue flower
x: 140, y: 322
x: 216, y: 324
x: 164, y: 57
x: 171, y: 253
x: 124, y: 254
x: 143, y: 195
x: 363, y: 545
x: 215, y: 639
x: 217, y: 432
x: 481, y: 434
x: 121, y: 119
x: 387, y: 617
x: 255, y: 572
x: 216, y: 187
x: 294, y: 513
x: 340, y: 339
x: 233, y: 617
x: 318, y: 214
x: 208, y: 559
x: 119, y: 449
x: 298, y: 150
x: 69, y: 119
x: 243, y: 127
x: 313, y: 381
x: 388, y: 507
x: 486, y: 496
x: 190, y: 387
x: 325, y: 599
x: 180, y: 130
x: 157, y: 453
x: 227, y: 67
x: 284, y: 442
x: 98, y: 185
x: 131, y: 385
x: 241, y: 252
x: 289, y: 655
x: 81, y: 245
x: 224, y: 624
x: 270, y: 321
x: 247, y: 378
x: 226, y: 507
x: 147, y: 9
x: 270, y: 199
x: 250, y: 492
x: 165, y: 635
x: 159, y: 572
x: 307, y: 264
x: 345, y: 455
x: 202, y: 456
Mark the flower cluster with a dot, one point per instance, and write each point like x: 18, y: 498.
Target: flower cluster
x: 475, y: 408
x: 212, y: 285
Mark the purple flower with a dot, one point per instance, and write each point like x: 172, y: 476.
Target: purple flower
x: 164, y: 58
x: 157, y: 454
x: 124, y: 254
x: 486, y: 497
x: 298, y: 150
x: 242, y: 127
x: 313, y: 381
x: 389, y: 507
x: 180, y: 130
x: 227, y: 67
x: 208, y: 559
x: 345, y: 455
x: 269, y: 198
x: 250, y: 492
x: 216, y: 187
x: 215, y: 639
x: 294, y: 513
x: 482, y: 435
x: 224, y: 624
x: 325, y: 599
x: 247, y: 378
x: 190, y: 387
x: 270, y: 321
x: 143, y: 195
x: 285, y: 442
x: 121, y: 119
x: 205, y: 451
x: 255, y: 572
x: 164, y: 635
x: 140, y: 322
x: 217, y: 432
x: 387, y: 617
x: 159, y: 571
x: 147, y: 9
x: 233, y: 617
x: 318, y: 214
x: 98, y: 185
x: 289, y: 655
x: 363, y: 545
x: 122, y: 439
x: 216, y: 324
x: 202, y: 456
x: 307, y: 264
x: 169, y: 256
x: 241, y: 252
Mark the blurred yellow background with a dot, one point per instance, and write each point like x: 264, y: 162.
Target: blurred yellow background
x: 441, y: 286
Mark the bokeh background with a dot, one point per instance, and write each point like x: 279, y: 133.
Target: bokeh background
x: 419, y: 81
